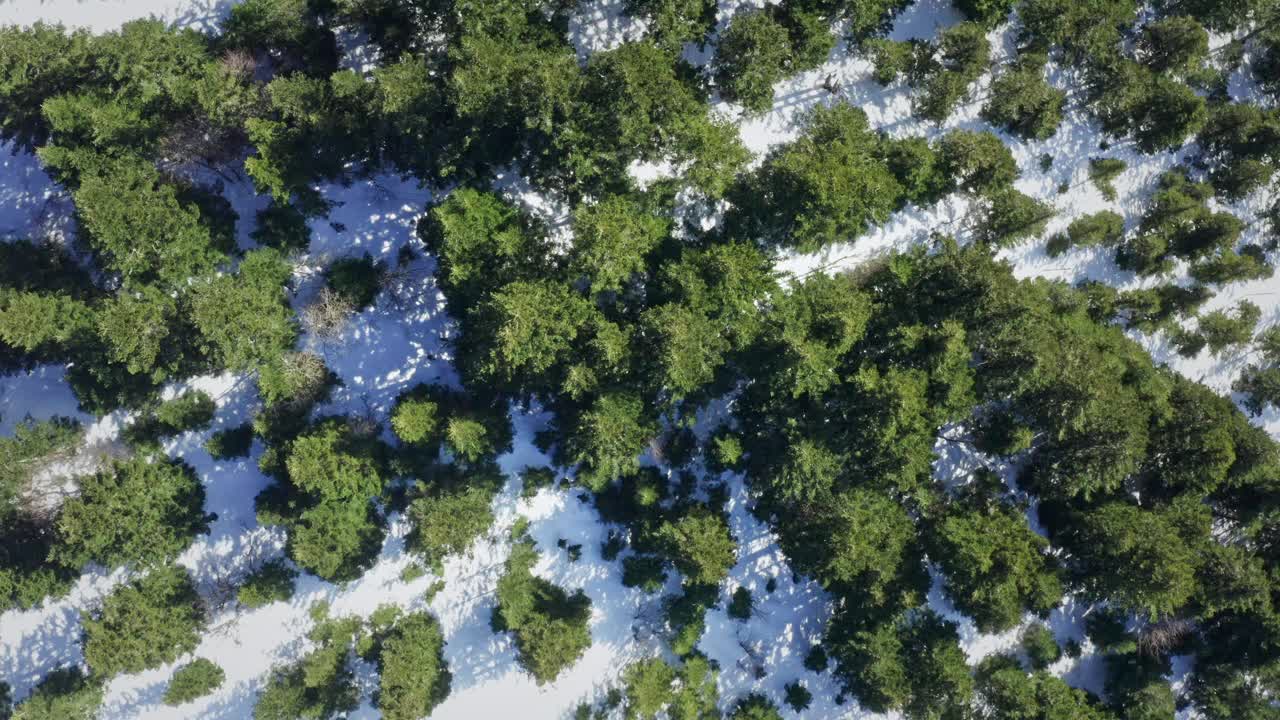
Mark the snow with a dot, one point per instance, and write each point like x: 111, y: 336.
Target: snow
x: 403, y: 340
x: 106, y: 15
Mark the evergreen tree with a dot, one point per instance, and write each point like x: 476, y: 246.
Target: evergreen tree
x: 751, y: 58
x: 193, y: 680
x: 144, y: 624
x: 829, y: 185
x: 412, y: 668
x: 1022, y: 101
x: 144, y: 510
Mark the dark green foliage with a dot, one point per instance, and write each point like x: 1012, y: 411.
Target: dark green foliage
x: 1102, y: 172
x: 1141, y: 560
x: 740, y: 604
x: 139, y: 511
x: 272, y: 582
x: 750, y: 58
x: 1136, y: 685
x: 550, y: 625
x: 944, y: 71
x: 245, y: 318
x: 1101, y: 229
x: 725, y: 451
x: 915, y: 164
x: 1154, y: 108
x: 231, y: 443
x: 1173, y: 44
x: 647, y: 572
x: 829, y: 185
x: 413, y: 674
x: 674, y: 22
x: 841, y: 391
x: 976, y: 162
x: 429, y: 417
x: 139, y: 228
x: 700, y: 545
x: 914, y: 664
x: 480, y: 243
x: 797, y: 696
x: 1040, y: 646
x: 1008, y: 217
x: 288, y: 31
x: 448, y: 520
x: 608, y: 438
x: 1237, y: 145
x: 1022, y: 101
x: 648, y: 688
x: 189, y: 411
x: 356, y: 280
x: 987, y: 12
x: 891, y: 59
x: 193, y: 680
x: 1178, y: 223
x: 327, y: 481
x: 1005, y: 690
x: 416, y: 421
x: 816, y: 659
x: 1223, y: 330
x: 144, y: 624
x: 315, y: 128
x: 283, y: 227
x: 318, y: 686
x: 612, y: 238
x: 996, y: 566
x: 686, y: 693
x: 38, y: 63
x: 686, y: 616
x: 755, y: 707
x: 64, y: 694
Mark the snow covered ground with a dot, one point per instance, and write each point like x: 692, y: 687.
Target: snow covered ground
x: 403, y: 341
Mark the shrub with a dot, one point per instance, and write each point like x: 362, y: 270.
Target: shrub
x: 1040, y: 646
x: 755, y: 707
x: 816, y: 659
x: 189, y: 411
x: 416, y: 421
x: 272, y: 582
x: 726, y: 452
x: 1103, y: 172
x: 449, y: 520
x: 356, y: 280
x: 700, y: 545
x: 283, y: 227
x: 740, y: 604
x: 550, y: 625
x: 142, y: 510
x: 647, y: 572
x: 976, y: 162
x: 328, y: 315
x: 195, y: 679
x: 144, y: 624
x: 797, y: 696
x: 231, y: 443
x: 414, y: 677
x: 751, y: 56
x: 64, y: 694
